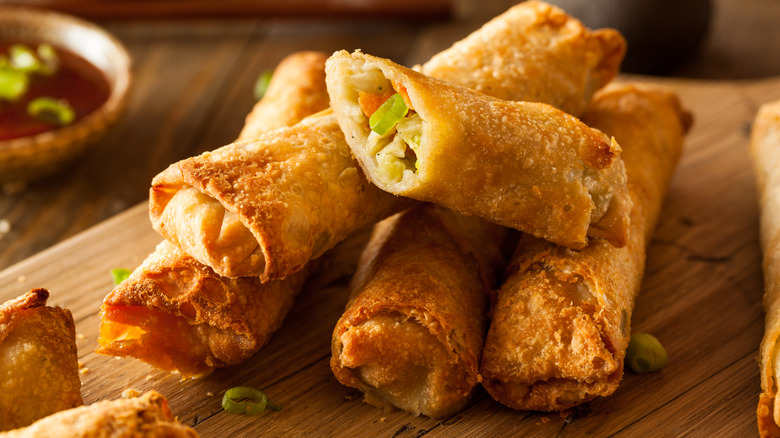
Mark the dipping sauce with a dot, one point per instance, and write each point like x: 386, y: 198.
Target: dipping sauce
x: 77, y: 81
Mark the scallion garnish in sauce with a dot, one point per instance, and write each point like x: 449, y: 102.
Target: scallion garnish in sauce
x: 247, y: 400
x: 54, y: 111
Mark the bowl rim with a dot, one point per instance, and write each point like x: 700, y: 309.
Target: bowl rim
x: 120, y: 86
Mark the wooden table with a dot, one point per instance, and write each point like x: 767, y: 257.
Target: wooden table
x: 193, y: 82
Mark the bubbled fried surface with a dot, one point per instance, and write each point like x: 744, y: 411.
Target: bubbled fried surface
x: 414, y: 325
x: 562, y: 321
x: 229, y: 319
x: 533, y: 52
x: 38, y: 360
x: 298, y: 190
x: 518, y: 164
x: 145, y: 416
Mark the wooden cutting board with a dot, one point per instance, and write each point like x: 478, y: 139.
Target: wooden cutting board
x: 701, y: 297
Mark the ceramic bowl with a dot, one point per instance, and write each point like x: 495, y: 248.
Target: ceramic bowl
x: 27, y: 158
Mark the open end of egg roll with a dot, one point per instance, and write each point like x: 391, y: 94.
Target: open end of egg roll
x: 524, y: 165
x: 178, y: 315
x: 38, y: 360
x: 398, y: 362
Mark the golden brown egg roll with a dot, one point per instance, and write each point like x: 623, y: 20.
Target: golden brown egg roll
x: 562, y: 321
x: 765, y: 153
x: 297, y: 90
x: 38, y: 360
x: 533, y: 52
x: 178, y: 315
x: 145, y: 416
x: 413, y: 329
x: 524, y: 165
x: 267, y: 206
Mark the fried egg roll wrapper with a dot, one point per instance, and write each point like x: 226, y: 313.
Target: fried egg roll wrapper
x: 38, y: 360
x: 218, y: 321
x: 413, y: 329
x: 562, y: 321
x: 265, y: 207
x: 533, y: 52
x: 146, y: 416
x: 765, y: 153
x: 524, y: 165
x: 297, y: 90
x: 178, y: 315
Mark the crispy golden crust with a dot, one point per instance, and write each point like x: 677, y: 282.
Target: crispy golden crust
x: 765, y: 152
x: 413, y: 329
x: 533, y: 52
x: 145, y: 416
x: 524, y: 165
x: 38, y: 360
x: 297, y: 190
x: 297, y: 90
x: 190, y: 319
x: 562, y: 321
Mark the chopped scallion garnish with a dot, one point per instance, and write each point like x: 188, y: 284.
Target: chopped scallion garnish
x: 54, y: 111
x: 119, y: 275
x: 388, y: 114
x: 23, y: 58
x: 247, y: 400
x: 261, y: 86
x: 13, y: 83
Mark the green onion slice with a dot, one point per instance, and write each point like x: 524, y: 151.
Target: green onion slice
x: 23, y: 58
x: 54, y: 111
x: 246, y: 400
x: 261, y: 86
x: 119, y: 275
x: 13, y: 83
x: 49, y: 60
x: 388, y: 114
x: 645, y: 353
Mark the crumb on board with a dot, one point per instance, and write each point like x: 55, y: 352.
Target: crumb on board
x: 81, y: 364
x: 210, y: 394
x: 80, y: 336
x: 382, y: 420
x: 545, y: 420
x: 5, y: 226
x: 21, y: 279
x: 84, y: 370
x: 148, y: 377
x: 130, y: 392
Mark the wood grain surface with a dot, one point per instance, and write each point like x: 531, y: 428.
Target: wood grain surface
x: 701, y: 297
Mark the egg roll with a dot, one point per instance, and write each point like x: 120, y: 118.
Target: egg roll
x: 533, y: 52
x: 561, y: 325
x: 765, y: 153
x: 297, y: 90
x: 145, y: 416
x: 38, y: 360
x: 413, y: 328
x: 178, y: 315
x: 524, y: 165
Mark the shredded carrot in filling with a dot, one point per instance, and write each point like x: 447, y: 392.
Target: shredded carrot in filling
x: 370, y: 102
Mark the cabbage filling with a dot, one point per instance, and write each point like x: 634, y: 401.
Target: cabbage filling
x: 395, y: 150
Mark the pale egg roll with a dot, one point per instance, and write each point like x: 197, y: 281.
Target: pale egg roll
x: 533, y: 52
x: 145, y: 416
x: 38, y: 360
x: 524, y: 165
x: 765, y: 153
x: 178, y: 315
x: 562, y: 321
x: 413, y: 329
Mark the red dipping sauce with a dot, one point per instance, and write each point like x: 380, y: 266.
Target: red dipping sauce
x: 76, y: 80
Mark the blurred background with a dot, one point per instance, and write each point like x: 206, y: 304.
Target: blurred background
x: 196, y: 62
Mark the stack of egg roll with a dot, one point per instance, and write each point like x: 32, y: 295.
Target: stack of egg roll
x: 38, y: 360
x: 415, y: 321
x: 562, y: 322
x: 178, y: 314
x: 765, y: 152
